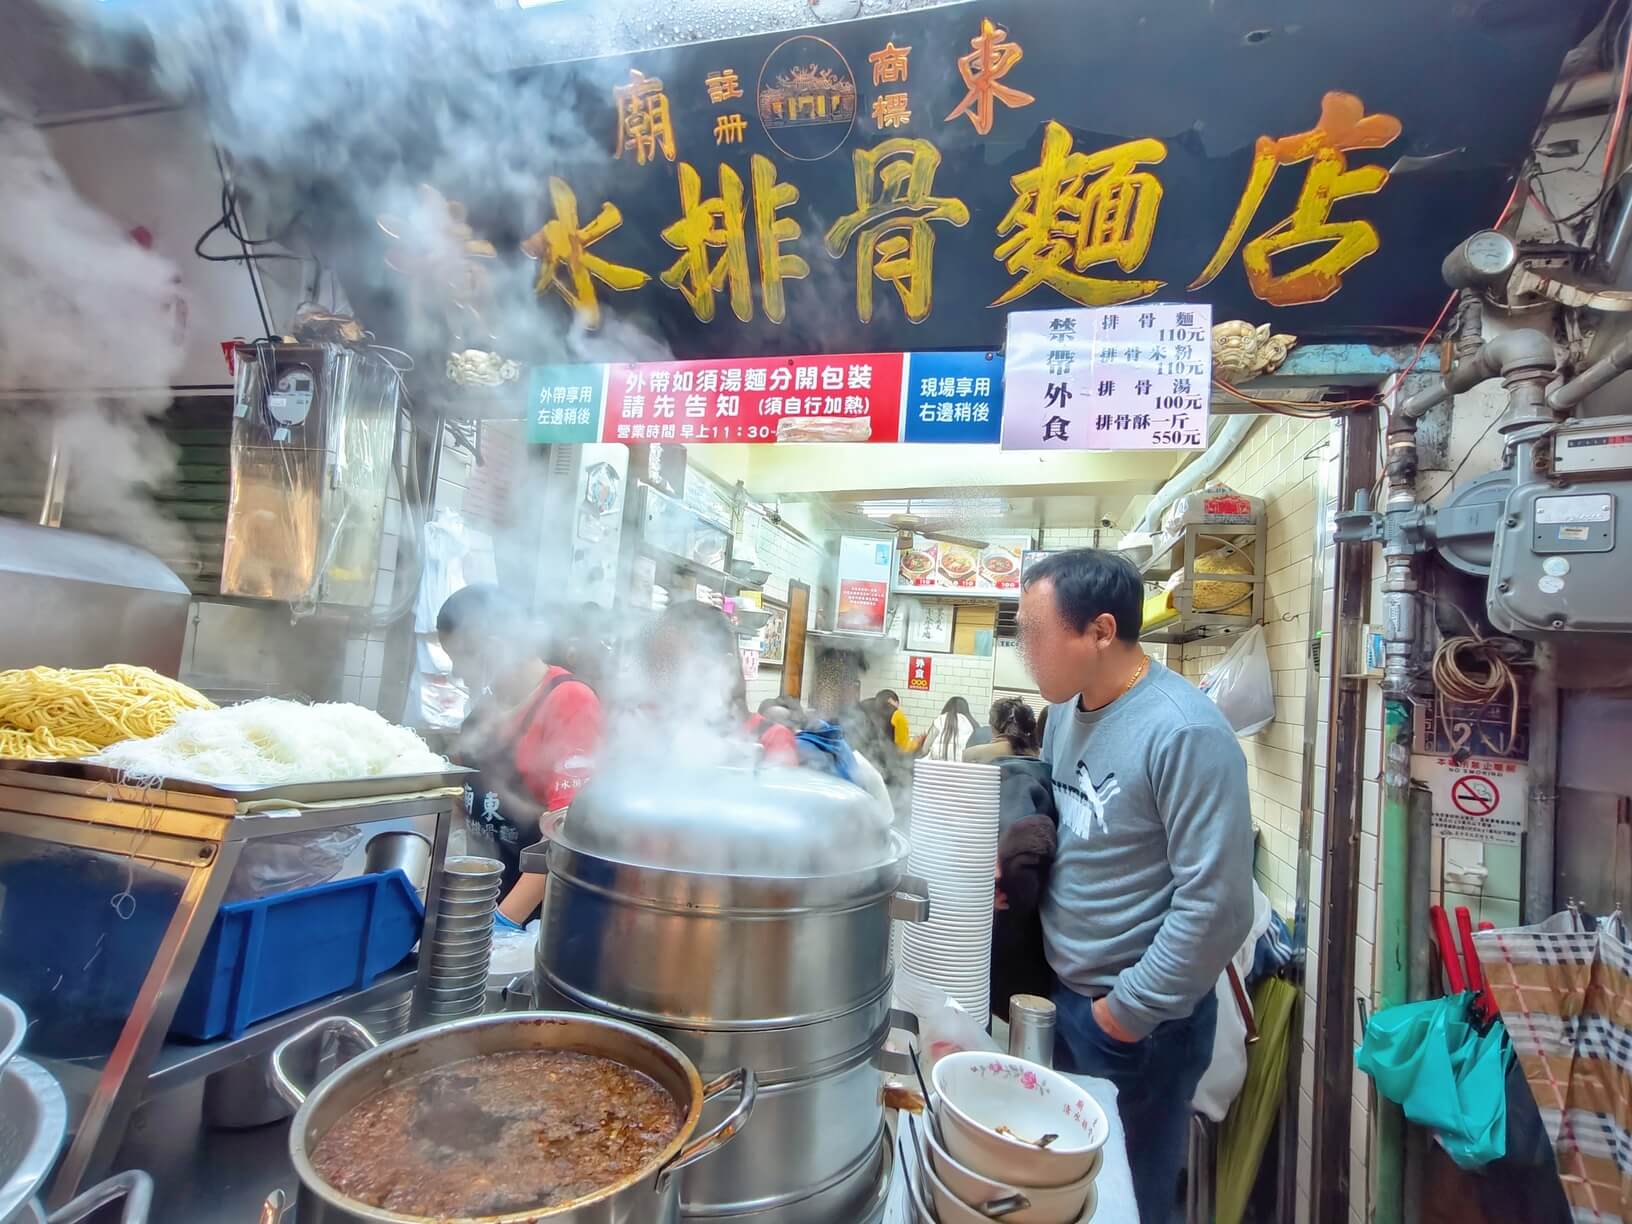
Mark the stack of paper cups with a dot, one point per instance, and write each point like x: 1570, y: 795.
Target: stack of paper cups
x: 954, y: 848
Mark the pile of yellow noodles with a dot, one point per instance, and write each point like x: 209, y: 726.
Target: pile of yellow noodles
x: 52, y: 712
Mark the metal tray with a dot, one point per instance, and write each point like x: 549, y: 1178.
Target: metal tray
x: 294, y: 792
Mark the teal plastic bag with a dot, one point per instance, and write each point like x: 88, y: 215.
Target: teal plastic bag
x: 1446, y: 1075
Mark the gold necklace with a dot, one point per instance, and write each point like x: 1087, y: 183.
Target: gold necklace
x: 1138, y: 674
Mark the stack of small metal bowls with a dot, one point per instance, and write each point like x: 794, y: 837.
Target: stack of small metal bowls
x: 388, y: 1018
x: 454, y: 981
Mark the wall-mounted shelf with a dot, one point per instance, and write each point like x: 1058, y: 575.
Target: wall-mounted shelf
x: 1180, y: 553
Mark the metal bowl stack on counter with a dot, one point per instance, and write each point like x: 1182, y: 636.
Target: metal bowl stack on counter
x: 453, y: 982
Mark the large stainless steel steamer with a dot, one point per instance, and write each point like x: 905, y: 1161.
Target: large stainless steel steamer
x: 745, y: 917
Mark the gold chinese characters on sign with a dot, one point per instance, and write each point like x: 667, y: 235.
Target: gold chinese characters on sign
x: 720, y: 224
x: 983, y: 70
x: 891, y: 111
x: 889, y: 64
x: 645, y: 126
x: 1343, y: 125
x: 723, y: 85
x: 1076, y: 211
x: 565, y: 264
x: 895, y: 205
x: 1082, y: 222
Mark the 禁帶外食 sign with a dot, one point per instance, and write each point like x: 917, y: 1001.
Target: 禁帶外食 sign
x: 1120, y: 378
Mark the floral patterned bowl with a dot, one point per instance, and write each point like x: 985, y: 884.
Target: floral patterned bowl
x: 993, y: 1108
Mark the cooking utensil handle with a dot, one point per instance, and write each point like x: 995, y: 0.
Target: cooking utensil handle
x: 911, y: 900
x: 1470, y: 958
x: 1449, y: 960
x: 747, y: 1088
x: 285, y: 1087
x: 890, y: 1061
x: 272, y: 1210
x: 996, y: 1209
x: 134, y: 1186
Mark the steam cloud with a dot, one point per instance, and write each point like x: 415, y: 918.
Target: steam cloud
x: 88, y: 315
x: 353, y: 107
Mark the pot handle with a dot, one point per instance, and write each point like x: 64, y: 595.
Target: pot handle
x: 911, y: 900
x: 742, y: 1079
x: 889, y: 1061
x: 134, y: 1186
x: 285, y: 1087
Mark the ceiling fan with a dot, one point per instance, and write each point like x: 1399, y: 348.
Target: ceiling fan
x: 906, y: 525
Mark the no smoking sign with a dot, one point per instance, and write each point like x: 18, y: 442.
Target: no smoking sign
x: 1479, y: 798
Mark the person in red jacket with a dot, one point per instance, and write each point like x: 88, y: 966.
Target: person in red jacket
x: 532, y: 734
x: 694, y: 664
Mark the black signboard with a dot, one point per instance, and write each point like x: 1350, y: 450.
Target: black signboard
x: 903, y: 182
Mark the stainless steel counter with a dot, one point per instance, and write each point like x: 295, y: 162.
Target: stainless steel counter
x: 205, y: 1176
x: 222, y: 1177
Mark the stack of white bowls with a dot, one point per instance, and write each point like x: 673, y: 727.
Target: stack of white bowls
x: 954, y: 848
x: 454, y: 978
x: 981, y: 1142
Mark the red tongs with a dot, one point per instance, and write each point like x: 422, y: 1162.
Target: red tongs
x: 1484, y: 1003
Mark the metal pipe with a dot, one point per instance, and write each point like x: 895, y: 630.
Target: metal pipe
x: 1464, y: 375
x: 1334, y: 1003
x: 56, y: 483
x: 1319, y: 630
x: 1590, y: 91
x: 1599, y: 374
x: 1393, y: 935
x: 1537, y: 900
x: 1511, y: 350
x: 1421, y: 843
x: 1230, y: 436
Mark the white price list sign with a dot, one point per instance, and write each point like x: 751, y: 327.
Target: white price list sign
x: 1135, y: 377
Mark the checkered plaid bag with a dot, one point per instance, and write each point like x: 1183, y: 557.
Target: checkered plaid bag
x: 1566, y: 999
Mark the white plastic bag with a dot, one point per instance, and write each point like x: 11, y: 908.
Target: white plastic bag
x: 1241, y: 686
x: 1221, y: 1082
x: 943, y: 1027
x: 275, y: 865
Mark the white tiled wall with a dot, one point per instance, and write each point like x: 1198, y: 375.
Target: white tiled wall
x: 968, y: 676
x: 1280, y: 462
x: 789, y: 558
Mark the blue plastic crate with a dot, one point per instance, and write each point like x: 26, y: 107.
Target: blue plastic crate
x: 266, y: 956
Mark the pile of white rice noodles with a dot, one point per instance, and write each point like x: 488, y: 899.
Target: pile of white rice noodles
x: 271, y: 741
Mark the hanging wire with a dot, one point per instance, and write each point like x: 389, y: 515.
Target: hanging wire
x: 1313, y: 410
x: 1475, y: 670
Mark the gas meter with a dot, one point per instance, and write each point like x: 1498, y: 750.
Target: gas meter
x: 1554, y: 568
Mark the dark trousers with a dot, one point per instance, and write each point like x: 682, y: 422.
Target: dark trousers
x: 1155, y: 1079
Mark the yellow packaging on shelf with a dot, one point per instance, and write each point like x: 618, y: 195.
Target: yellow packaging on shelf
x: 1159, y: 610
x: 1207, y: 596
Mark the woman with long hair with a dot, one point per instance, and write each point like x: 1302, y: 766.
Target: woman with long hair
x: 1014, y: 733
x: 949, y: 734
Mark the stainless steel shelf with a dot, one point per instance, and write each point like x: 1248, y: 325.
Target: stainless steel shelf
x: 181, y: 1061
x: 1180, y: 553
x: 1196, y: 627
x: 1170, y: 556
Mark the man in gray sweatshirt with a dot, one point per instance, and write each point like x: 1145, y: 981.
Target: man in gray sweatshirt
x: 1151, y: 892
